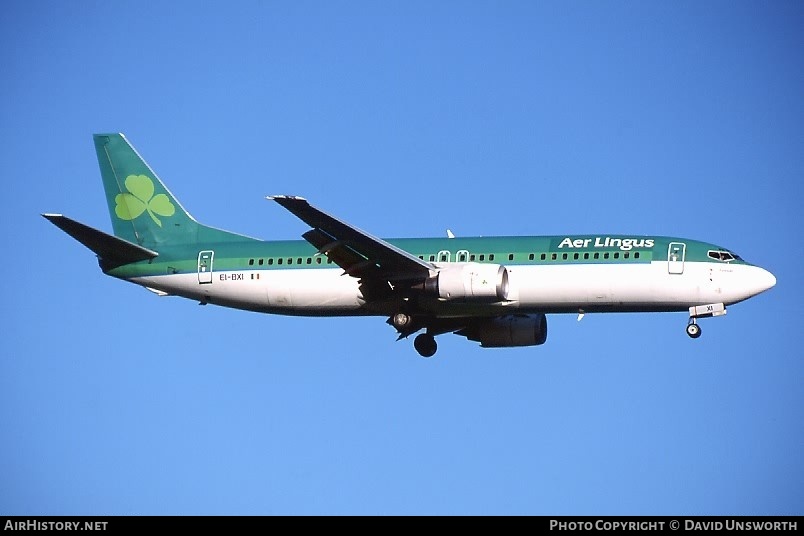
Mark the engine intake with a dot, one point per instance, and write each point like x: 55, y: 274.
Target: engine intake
x: 469, y: 281
x: 507, y: 331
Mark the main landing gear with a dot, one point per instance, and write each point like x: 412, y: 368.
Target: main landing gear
x: 702, y: 311
x: 401, y: 321
x: 425, y: 344
x: 405, y: 324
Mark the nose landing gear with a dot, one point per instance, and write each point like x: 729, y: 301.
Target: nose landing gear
x: 703, y: 311
x: 693, y: 329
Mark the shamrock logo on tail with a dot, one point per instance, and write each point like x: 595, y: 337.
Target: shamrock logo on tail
x: 139, y: 198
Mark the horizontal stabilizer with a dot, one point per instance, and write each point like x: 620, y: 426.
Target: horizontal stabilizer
x: 112, y: 251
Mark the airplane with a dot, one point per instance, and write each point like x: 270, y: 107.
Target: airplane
x: 493, y: 290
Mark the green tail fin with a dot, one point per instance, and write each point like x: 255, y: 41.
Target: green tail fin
x: 142, y: 209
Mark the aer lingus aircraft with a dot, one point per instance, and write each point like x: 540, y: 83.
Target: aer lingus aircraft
x: 493, y: 290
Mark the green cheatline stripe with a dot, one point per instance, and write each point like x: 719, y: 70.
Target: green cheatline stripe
x: 223, y: 264
x: 236, y: 256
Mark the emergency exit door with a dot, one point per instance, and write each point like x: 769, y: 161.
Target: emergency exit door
x: 205, y: 267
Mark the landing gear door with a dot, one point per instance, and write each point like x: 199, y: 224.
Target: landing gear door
x: 675, y: 257
x: 205, y: 267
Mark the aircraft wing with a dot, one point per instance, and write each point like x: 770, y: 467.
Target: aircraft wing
x: 360, y: 254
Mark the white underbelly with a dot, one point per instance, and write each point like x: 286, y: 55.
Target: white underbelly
x: 282, y: 291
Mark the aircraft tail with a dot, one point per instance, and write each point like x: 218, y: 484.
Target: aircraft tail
x: 142, y: 209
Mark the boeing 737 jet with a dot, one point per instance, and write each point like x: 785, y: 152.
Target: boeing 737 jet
x: 493, y: 290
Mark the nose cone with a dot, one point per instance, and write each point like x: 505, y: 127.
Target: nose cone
x: 765, y: 280
x: 744, y: 281
x: 760, y: 280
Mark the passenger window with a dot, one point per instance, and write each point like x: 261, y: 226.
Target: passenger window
x: 442, y: 257
x: 421, y: 257
x: 597, y: 255
x: 290, y: 261
x: 432, y: 258
x: 606, y: 255
x: 261, y: 262
x: 636, y: 254
x: 472, y: 257
x: 298, y: 261
x: 554, y: 256
x: 531, y: 257
x: 576, y: 256
x: 585, y: 256
x: 318, y: 260
x: 251, y: 262
x: 616, y: 254
x: 309, y: 260
x: 510, y: 256
x: 625, y: 255
x: 270, y: 262
x: 462, y: 257
x: 564, y: 256
x: 279, y: 260
x: 491, y: 257
x: 482, y: 257
x: 544, y: 256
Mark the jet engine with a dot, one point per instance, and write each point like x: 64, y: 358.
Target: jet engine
x: 506, y: 331
x: 469, y: 281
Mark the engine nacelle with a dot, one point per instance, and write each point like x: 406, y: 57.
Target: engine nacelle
x: 469, y: 281
x: 506, y: 331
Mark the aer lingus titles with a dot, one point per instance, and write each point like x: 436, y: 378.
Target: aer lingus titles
x: 625, y: 244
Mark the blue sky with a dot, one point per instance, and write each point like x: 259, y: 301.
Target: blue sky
x: 404, y: 118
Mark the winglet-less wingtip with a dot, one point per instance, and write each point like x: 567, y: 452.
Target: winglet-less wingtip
x: 278, y: 197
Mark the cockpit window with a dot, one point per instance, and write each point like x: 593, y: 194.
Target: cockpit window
x: 724, y: 256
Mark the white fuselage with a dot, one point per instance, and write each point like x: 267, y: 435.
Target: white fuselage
x: 560, y: 288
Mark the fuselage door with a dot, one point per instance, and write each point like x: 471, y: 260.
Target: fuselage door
x: 443, y: 256
x: 675, y: 257
x: 205, y: 267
